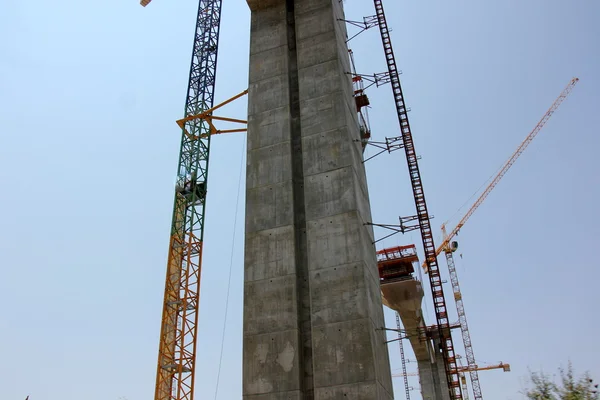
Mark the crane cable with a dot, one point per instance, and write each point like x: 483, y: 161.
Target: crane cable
x: 235, y: 220
x: 468, y: 201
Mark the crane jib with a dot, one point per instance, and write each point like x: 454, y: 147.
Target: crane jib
x: 563, y: 95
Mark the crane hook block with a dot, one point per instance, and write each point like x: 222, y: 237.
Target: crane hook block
x: 453, y: 246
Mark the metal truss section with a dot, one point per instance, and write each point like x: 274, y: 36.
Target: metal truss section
x: 177, y: 346
x: 435, y: 281
x: 402, y: 358
x: 464, y: 328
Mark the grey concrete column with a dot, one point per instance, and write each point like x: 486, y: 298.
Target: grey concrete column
x: 312, y: 303
x: 442, y: 384
x: 271, y: 359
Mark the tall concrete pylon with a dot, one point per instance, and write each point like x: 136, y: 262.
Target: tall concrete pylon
x: 312, y: 302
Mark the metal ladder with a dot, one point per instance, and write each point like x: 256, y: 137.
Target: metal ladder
x: 422, y: 214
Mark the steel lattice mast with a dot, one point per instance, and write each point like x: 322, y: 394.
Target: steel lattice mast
x: 435, y: 280
x: 177, y: 347
x: 464, y: 329
x: 402, y: 358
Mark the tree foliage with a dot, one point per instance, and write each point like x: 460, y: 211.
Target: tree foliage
x: 569, y: 387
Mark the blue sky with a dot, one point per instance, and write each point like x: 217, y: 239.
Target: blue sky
x: 89, y: 95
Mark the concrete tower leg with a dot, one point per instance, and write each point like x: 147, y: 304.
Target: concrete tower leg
x: 441, y: 386
x: 432, y: 378
x: 312, y: 303
x: 405, y: 297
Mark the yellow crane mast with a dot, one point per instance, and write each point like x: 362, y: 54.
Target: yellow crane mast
x: 449, y: 247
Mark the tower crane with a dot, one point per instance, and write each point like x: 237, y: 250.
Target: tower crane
x: 449, y: 247
x: 177, y: 345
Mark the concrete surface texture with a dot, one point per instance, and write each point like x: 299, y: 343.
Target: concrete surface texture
x: 312, y: 303
x: 405, y: 297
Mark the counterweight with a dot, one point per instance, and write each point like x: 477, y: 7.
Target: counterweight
x: 177, y: 347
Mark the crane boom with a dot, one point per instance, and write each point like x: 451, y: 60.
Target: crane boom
x: 506, y: 166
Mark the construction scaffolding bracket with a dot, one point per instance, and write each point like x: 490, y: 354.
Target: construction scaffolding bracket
x: 406, y: 224
x: 377, y: 79
x: 389, y: 145
x: 209, y: 118
x: 402, y: 334
x: 366, y: 23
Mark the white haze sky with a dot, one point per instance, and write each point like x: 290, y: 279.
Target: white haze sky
x: 89, y: 95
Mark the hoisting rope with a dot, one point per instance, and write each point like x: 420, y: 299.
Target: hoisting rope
x: 479, y: 190
x: 235, y: 220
